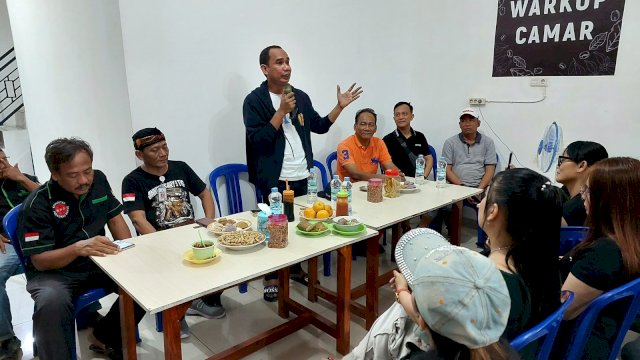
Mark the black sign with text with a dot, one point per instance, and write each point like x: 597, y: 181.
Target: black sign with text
x: 557, y: 37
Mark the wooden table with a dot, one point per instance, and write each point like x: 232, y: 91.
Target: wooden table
x: 391, y: 212
x: 154, y: 274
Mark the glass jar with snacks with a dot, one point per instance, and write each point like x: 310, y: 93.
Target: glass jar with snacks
x: 374, y: 190
x: 278, y: 231
x: 342, y: 203
x: 391, y: 183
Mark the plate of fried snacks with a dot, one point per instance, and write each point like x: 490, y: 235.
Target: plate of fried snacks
x: 311, y: 229
x: 224, y: 225
x: 240, y: 240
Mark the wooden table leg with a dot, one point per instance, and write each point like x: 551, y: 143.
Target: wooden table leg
x: 313, y: 279
x: 283, y: 292
x: 455, y: 223
x: 373, y: 261
x: 171, y: 330
x: 343, y: 316
x: 127, y: 326
x: 395, y: 236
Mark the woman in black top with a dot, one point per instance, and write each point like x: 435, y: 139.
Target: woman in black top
x: 610, y: 256
x: 572, y: 172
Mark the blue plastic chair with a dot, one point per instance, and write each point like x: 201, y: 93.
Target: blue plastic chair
x: 571, y: 236
x: 231, y: 174
x: 547, y: 329
x: 323, y: 173
x: 10, y: 223
x: 625, y: 296
x: 330, y: 159
x: 434, y: 156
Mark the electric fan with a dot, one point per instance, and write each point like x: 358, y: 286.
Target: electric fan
x: 549, y: 147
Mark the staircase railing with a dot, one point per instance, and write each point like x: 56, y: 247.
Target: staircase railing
x: 10, y: 89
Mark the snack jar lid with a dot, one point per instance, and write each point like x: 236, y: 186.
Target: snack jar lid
x: 375, y: 181
x: 392, y: 172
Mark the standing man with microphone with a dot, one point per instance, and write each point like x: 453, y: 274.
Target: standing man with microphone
x: 279, y: 120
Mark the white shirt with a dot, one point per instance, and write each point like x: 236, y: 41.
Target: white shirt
x: 294, y: 164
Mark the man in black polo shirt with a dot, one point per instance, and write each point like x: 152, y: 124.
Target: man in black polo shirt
x: 405, y: 144
x: 15, y: 187
x: 156, y: 197
x: 60, y: 226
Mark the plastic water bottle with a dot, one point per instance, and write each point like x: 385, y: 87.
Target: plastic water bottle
x: 346, y: 185
x: 275, y: 202
x: 441, y: 172
x: 335, y: 185
x: 312, y: 187
x: 420, y: 170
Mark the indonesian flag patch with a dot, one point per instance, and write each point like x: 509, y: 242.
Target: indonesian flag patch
x: 129, y: 197
x: 60, y: 209
x: 32, y: 236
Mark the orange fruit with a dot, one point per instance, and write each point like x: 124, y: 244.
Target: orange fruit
x: 328, y: 209
x: 322, y: 214
x: 318, y: 205
x: 309, y: 213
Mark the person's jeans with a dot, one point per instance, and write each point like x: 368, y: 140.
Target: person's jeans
x: 9, y: 266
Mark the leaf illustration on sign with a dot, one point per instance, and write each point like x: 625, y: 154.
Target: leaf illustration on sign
x: 520, y: 72
x: 613, y: 37
x: 592, y: 67
x: 576, y: 69
x: 519, y: 62
x: 598, y: 41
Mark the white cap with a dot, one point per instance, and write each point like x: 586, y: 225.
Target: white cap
x: 469, y: 112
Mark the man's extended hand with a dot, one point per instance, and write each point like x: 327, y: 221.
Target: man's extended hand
x: 96, y: 246
x: 3, y: 241
x: 348, y: 96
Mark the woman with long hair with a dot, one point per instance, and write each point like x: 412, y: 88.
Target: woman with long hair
x: 610, y: 256
x: 572, y: 172
x: 521, y: 215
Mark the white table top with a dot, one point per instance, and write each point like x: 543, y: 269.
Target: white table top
x: 406, y: 206
x: 155, y: 275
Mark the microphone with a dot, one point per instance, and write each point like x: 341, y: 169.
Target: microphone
x: 288, y: 90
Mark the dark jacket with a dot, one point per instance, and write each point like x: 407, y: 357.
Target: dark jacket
x: 265, y: 145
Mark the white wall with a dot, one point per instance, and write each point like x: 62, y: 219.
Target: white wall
x: 6, y: 42
x: 71, y: 64
x: 191, y: 63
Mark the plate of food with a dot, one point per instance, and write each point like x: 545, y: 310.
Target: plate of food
x: 408, y: 187
x: 359, y: 230
x: 363, y: 188
x: 311, y: 229
x: 224, y: 225
x: 241, y: 240
x: 318, y: 212
x: 346, y: 223
x: 188, y: 255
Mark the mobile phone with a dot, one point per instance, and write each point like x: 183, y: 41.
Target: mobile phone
x: 123, y: 245
x: 255, y: 211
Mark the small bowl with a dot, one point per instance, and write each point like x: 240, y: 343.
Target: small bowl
x: 346, y: 228
x: 203, y: 253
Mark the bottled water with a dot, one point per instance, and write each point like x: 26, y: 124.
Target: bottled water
x: 312, y: 187
x: 335, y: 185
x: 346, y: 185
x: 441, y: 172
x: 420, y: 162
x: 275, y: 202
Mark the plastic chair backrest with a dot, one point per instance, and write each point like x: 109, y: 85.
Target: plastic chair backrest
x: 548, y: 329
x: 434, y: 156
x: 323, y: 174
x: 571, y: 236
x: 231, y: 174
x: 330, y: 159
x: 10, y: 224
x: 625, y: 295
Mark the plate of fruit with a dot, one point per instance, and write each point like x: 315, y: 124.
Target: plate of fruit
x: 305, y: 227
x: 224, y: 226
x: 319, y: 211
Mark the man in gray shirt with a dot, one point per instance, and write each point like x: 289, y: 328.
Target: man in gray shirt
x: 471, y: 161
x: 471, y: 156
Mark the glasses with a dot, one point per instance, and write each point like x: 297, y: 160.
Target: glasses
x: 562, y: 159
x: 584, y: 191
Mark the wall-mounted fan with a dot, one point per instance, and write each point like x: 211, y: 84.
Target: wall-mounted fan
x: 549, y: 147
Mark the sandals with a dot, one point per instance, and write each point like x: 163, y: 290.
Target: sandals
x: 111, y: 353
x: 301, y: 277
x: 270, y: 293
